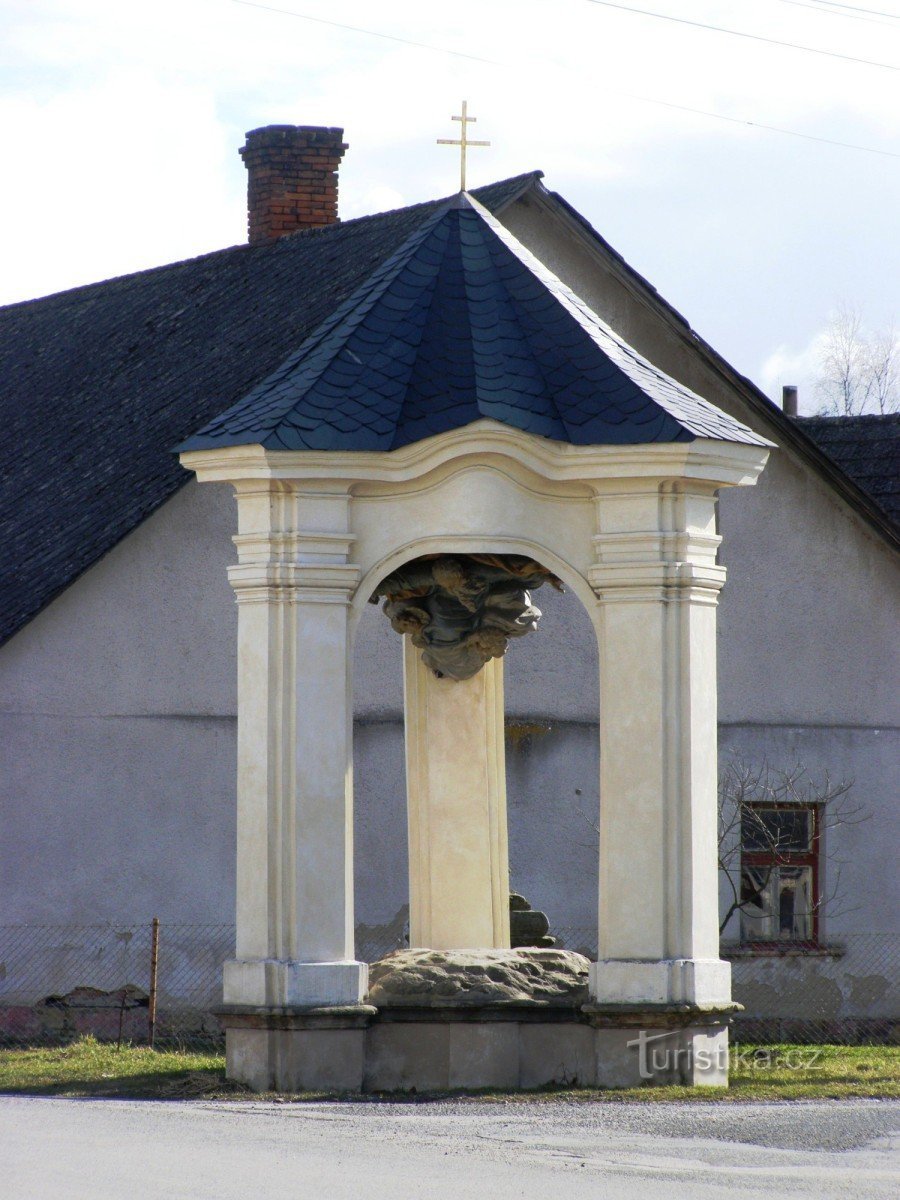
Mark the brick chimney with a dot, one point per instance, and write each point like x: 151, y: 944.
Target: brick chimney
x: 292, y: 180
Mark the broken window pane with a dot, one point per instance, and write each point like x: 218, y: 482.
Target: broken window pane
x: 777, y: 904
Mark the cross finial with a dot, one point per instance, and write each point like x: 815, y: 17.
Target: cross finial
x: 463, y: 141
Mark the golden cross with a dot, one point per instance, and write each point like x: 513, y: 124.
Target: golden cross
x: 463, y: 141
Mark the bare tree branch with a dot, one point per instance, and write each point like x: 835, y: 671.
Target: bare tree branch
x: 746, y: 792
x: 859, y: 371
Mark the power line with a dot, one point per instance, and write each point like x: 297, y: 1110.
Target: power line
x: 835, y: 12
x: 753, y: 37
x: 645, y: 99
x: 288, y: 12
x: 810, y: 137
x: 876, y: 12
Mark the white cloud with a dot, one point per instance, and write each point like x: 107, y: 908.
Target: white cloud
x: 797, y: 366
x: 122, y: 123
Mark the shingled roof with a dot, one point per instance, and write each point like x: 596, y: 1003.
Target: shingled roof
x: 97, y: 384
x: 462, y: 322
x: 867, y: 448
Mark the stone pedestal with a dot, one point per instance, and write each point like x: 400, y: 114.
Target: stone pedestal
x: 289, y: 1049
x: 439, y: 1021
x: 456, y: 789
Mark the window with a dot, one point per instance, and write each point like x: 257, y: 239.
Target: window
x: 779, y: 873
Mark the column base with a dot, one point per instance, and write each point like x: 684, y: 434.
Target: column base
x: 694, y: 981
x: 273, y: 982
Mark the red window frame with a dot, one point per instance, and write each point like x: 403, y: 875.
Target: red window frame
x: 791, y: 858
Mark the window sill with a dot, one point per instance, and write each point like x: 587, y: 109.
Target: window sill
x: 732, y: 950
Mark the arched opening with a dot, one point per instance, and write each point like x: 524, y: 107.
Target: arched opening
x: 551, y: 757
x: 380, y: 849
x: 552, y: 769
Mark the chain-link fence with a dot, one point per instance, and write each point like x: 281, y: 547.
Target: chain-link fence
x: 844, y: 992
x: 59, y: 982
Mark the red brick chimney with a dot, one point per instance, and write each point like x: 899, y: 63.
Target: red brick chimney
x: 292, y: 180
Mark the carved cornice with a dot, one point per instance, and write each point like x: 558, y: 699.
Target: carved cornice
x: 706, y: 461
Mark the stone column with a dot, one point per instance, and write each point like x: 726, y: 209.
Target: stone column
x: 657, y: 584
x: 456, y: 795
x: 294, y: 793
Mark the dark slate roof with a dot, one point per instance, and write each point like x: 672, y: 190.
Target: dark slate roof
x: 99, y: 383
x: 867, y: 448
x: 462, y: 323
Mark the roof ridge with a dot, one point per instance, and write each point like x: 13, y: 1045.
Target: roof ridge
x: 592, y: 325
x: 74, y: 293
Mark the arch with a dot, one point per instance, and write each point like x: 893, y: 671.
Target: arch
x: 471, y: 544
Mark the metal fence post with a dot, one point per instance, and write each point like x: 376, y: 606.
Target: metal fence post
x: 154, y: 966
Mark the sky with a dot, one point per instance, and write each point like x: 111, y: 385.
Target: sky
x: 121, y: 123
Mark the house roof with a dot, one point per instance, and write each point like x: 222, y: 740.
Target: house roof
x: 460, y: 323
x: 867, y: 448
x: 788, y: 432
x: 97, y: 384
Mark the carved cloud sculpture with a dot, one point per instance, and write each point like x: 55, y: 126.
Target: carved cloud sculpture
x: 462, y: 610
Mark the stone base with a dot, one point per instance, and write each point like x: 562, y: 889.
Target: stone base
x: 296, y: 1060
x: 439, y: 1021
x: 434, y: 1050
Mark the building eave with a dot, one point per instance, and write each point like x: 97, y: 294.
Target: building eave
x: 782, y: 429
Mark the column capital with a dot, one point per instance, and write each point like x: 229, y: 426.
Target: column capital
x: 294, y: 583
x: 619, y: 582
x: 657, y: 540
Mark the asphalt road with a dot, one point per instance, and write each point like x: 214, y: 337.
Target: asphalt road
x: 131, y: 1150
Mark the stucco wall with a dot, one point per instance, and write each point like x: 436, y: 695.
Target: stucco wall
x: 117, y: 703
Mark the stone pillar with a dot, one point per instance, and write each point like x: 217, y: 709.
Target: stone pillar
x: 456, y: 795
x: 294, y: 793
x: 657, y: 584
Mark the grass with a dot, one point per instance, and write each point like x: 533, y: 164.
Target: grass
x: 91, y: 1068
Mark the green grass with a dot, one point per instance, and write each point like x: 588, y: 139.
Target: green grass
x: 91, y: 1068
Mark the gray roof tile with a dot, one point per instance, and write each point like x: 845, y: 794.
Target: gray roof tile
x: 462, y: 323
